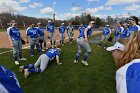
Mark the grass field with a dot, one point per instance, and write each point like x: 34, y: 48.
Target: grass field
x: 98, y: 77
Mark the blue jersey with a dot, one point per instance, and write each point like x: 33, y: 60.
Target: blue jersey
x: 52, y: 53
x: 127, y: 77
x: 14, y: 33
x: 125, y: 33
x: 106, y: 31
x: 118, y: 31
x: 62, y: 29
x: 81, y: 29
x: 134, y: 28
x: 89, y: 32
x: 50, y: 27
x: 8, y: 82
x: 40, y: 31
x: 32, y: 32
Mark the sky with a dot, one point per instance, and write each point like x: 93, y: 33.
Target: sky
x: 66, y: 9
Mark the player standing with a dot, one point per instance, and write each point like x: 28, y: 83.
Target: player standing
x: 15, y: 40
x: 133, y: 23
x: 62, y: 29
x: 42, y: 62
x: 70, y: 32
x: 118, y: 31
x: 82, y: 42
x: 51, y: 31
x: 105, y: 35
x: 42, y: 37
x: 33, y: 34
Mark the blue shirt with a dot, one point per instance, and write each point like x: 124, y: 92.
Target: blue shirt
x: 32, y: 32
x: 106, y: 31
x: 52, y: 53
x: 134, y: 28
x: 14, y: 33
x: 125, y: 33
x: 127, y: 77
x: 89, y: 32
x: 50, y: 27
x: 62, y: 29
x: 81, y: 29
x: 118, y: 31
x: 9, y: 82
x: 40, y: 31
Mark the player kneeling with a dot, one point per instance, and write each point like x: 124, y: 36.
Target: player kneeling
x: 42, y: 61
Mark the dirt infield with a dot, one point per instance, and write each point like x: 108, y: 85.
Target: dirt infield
x: 4, y: 42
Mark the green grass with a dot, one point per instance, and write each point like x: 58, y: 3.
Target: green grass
x: 98, y: 77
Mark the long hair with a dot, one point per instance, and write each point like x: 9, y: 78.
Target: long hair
x: 132, y: 50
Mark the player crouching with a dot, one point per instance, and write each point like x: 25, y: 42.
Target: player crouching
x: 42, y: 61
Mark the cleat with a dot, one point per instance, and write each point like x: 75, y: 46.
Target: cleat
x: 22, y: 59
x: 32, y: 55
x: 26, y: 73
x: 62, y: 44
x: 85, y: 63
x: 21, y: 68
x: 75, y: 61
x: 43, y: 49
x: 16, y: 62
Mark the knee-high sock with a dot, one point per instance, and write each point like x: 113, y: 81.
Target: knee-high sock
x: 29, y: 66
x: 20, y: 54
x: 77, y: 56
x: 36, y: 70
x: 51, y: 42
x: 15, y: 56
x: 40, y: 45
x: 86, y: 56
x: 54, y: 42
x: 32, y: 49
x: 44, y: 45
x: 38, y: 48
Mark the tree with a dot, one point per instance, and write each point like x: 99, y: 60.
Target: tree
x: 98, y: 22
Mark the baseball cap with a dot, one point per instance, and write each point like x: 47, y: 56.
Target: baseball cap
x: 107, y: 25
x: 117, y: 45
x: 62, y: 23
x: 39, y: 23
x: 49, y: 21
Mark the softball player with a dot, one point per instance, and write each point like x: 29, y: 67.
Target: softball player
x: 125, y: 34
x: 133, y: 22
x: 9, y: 82
x: 62, y: 29
x: 82, y: 42
x: 33, y: 34
x: 118, y: 32
x: 81, y: 28
x: 42, y: 36
x: 105, y: 36
x: 42, y: 61
x: 51, y: 31
x: 70, y: 32
x: 15, y: 40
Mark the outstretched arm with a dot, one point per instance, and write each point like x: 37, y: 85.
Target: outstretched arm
x: 57, y: 60
x: 54, y: 18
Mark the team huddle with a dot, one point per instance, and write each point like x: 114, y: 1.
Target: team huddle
x: 126, y: 53
x: 36, y: 37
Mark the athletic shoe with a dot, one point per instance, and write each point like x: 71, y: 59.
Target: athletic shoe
x: 85, y: 63
x: 62, y: 44
x: 21, y: 68
x: 16, y: 62
x: 75, y: 61
x: 26, y: 73
x: 43, y: 50
x: 59, y: 63
x: 22, y: 59
x: 32, y: 55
